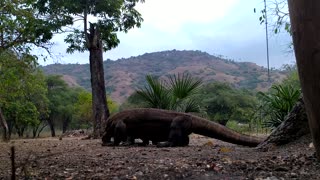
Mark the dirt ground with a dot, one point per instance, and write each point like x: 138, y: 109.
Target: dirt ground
x: 204, y: 158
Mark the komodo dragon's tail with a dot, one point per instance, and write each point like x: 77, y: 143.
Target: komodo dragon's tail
x: 211, y: 129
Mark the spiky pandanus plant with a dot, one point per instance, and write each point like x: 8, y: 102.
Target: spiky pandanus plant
x: 278, y: 103
x: 175, y: 93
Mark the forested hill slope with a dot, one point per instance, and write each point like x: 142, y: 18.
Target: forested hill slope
x: 124, y: 75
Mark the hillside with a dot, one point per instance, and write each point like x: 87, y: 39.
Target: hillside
x: 124, y: 75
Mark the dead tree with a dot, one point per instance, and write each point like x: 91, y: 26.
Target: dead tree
x: 292, y: 128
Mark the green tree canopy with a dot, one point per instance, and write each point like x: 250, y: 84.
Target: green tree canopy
x: 22, y: 25
x: 109, y: 17
x: 61, y: 99
x: 222, y: 103
x: 83, y: 110
x: 22, y: 91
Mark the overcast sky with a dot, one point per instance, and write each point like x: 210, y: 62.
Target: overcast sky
x: 229, y: 28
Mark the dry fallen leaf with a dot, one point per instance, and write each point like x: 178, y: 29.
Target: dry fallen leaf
x: 209, y: 143
x: 224, y: 150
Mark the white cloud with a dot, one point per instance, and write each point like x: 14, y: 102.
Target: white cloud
x: 171, y: 15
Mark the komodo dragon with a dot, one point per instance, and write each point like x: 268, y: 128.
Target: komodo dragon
x: 172, y: 127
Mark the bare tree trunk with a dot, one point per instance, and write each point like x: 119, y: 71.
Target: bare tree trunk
x: 10, y: 128
x: 99, y: 101
x: 305, y: 24
x: 40, y: 130
x: 51, y: 126
x: 64, y: 126
x: 4, y: 125
x: 65, y: 123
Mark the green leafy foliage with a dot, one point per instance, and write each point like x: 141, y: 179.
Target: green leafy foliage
x: 183, y: 86
x: 108, y: 17
x: 22, y: 92
x: 133, y: 101
x: 223, y: 103
x: 156, y: 93
x: 83, y: 113
x: 278, y: 103
x: 22, y: 25
x: 292, y: 77
x: 82, y: 117
x: 239, y: 127
x: 62, y: 99
x: 101, y: 20
x: 278, y: 9
x: 30, y: 100
x: 175, y: 94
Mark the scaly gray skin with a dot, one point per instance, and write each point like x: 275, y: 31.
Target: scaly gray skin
x: 172, y: 127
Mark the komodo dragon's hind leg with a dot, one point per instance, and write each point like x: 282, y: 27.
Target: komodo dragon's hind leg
x: 179, y: 135
x: 106, y: 138
x: 120, y: 133
x: 177, y: 138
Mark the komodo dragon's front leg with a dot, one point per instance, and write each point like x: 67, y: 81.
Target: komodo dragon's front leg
x: 179, y: 132
x: 119, y: 133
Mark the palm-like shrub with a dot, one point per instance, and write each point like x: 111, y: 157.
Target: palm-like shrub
x: 278, y: 103
x: 156, y: 94
x: 175, y: 93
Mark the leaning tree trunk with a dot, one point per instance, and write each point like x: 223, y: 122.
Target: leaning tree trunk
x: 51, y: 126
x: 99, y: 100
x: 4, y: 126
x: 305, y: 26
x: 293, y: 127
